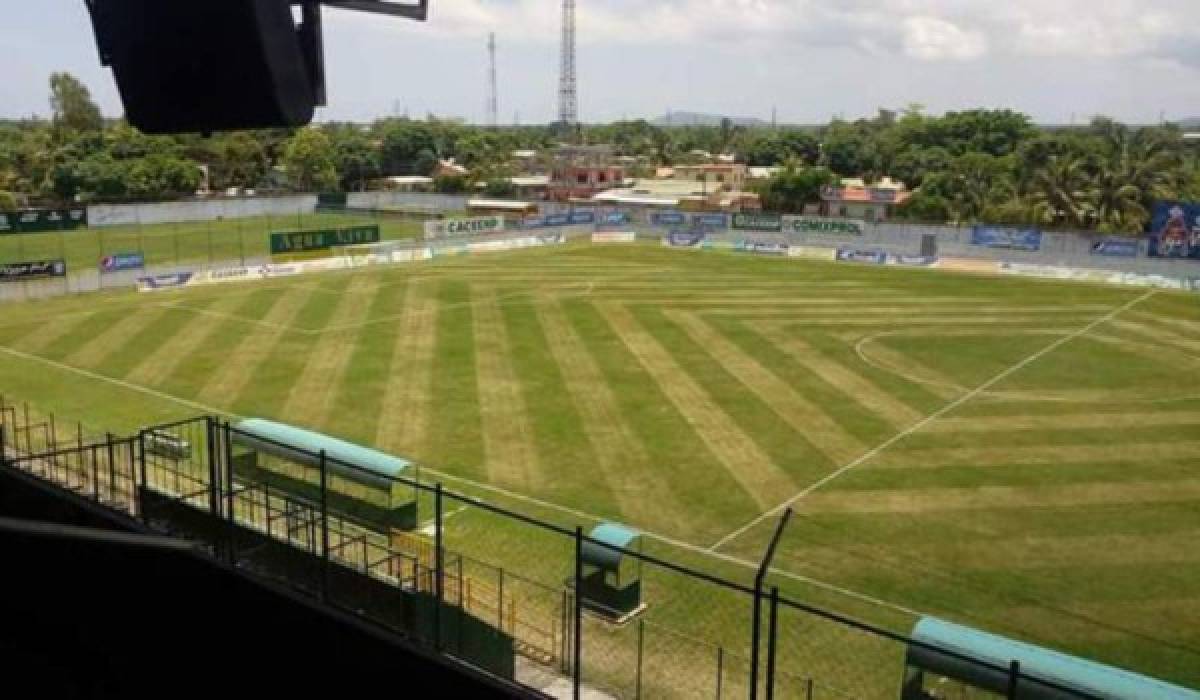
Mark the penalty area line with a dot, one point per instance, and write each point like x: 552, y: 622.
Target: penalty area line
x: 873, y: 452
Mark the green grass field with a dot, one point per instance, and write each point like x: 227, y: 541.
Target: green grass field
x: 185, y: 243
x: 1017, y: 455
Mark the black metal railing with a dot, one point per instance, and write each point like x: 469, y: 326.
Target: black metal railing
x: 482, y: 587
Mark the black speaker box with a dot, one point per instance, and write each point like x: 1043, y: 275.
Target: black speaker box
x: 208, y: 65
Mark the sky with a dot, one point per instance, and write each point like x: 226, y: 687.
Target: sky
x: 810, y: 60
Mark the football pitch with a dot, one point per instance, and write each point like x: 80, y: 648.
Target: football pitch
x: 1017, y: 455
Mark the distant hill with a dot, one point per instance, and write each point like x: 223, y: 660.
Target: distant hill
x: 1190, y: 124
x: 702, y: 119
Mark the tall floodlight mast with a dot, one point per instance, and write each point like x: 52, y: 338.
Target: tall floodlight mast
x: 493, y: 105
x: 568, y: 97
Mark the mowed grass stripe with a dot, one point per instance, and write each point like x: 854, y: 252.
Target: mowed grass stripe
x: 311, y: 397
x: 805, y: 417
x: 509, y: 450
x: 888, y: 359
x: 738, y: 452
x: 644, y: 497
x: 357, y: 406
x: 946, y: 499
x: 456, y: 441
x: 1181, y: 361
x: 151, y: 369
x: 147, y: 341
x: 968, y: 475
x: 1188, y: 328
x: 113, y: 339
x: 406, y: 406
x: 668, y: 437
x: 1159, y: 335
x: 221, y: 343
x: 1042, y: 454
x: 41, y: 335
x: 1145, y: 418
x: 286, y: 355
x: 854, y: 386
x: 233, y: 376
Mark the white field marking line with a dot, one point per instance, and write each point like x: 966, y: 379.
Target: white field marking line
x: 686, y: 546
x: 117, y: 382
x: 933, y: 417
x: 233, y: 317
x: 680, y: 544
x: 429, y: 526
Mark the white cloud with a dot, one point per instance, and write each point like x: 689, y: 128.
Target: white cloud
x: 934, y: 39
x: 927, y: 30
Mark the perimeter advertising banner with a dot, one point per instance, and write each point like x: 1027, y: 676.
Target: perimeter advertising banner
x: 614, y: 221
x: 823, y: 225
x: 42, y: 220
x: 454, y: 228
x: 765, y: 248
x: 34, y: 269
x: 875, y: 257
x: 683, y: 238
x: 717, y: 221
x: 746, y: 221
x: 322, y: 239
x: 1116, y: 247
x: 1175, y: 230
x: 667, y: 218
x: 1010, y: 238
x: 122, y: 261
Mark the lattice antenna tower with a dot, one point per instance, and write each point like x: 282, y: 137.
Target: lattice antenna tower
x: 568, y: 97
x: 493, y: 104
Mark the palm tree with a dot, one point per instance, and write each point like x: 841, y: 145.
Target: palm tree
x: 1059, y: 192
x: 1130, y: 175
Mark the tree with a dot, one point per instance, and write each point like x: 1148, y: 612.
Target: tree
x: 355, y: 157
x: 72, y: 104
x: 791, y: 188
x: 309, y: 161
x: 450, y: 184
x: 1060, y: 193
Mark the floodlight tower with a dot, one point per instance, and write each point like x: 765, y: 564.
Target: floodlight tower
x: 568, y: 98
x: 493, y: 105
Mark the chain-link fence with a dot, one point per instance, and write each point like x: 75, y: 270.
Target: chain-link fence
x: 539, y: 603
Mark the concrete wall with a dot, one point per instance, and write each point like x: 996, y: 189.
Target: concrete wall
x: 199, y: 210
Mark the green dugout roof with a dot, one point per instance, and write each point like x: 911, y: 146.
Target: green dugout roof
x: 1093, y: 678
x: 610, y: 534
x: 305, y: 447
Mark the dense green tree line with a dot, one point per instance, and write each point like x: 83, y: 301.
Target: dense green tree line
x: 972, y: 166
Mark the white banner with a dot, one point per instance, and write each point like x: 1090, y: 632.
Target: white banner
x: 453, y: 228
x: 614, y: 237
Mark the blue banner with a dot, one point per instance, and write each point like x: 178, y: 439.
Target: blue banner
x: 686, y: 238
x: 1175, y: 230
x: 614, y: 220
x: 122, y: 261
x: 581, y: 216
x: 1011, y: 238
x: 876, y: 257
x: 710, y: 220
x: 667, y: 218
x: 1116, y: 247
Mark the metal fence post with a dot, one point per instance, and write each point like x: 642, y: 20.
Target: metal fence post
x: 577, y: 651
x: 231, y: 516
x: 324, y: 526
x: 145, y: 488
x: 720, y: 670
x: 439, y: 556
x: 214, y: 488
x: 641, y: 646
x: 112, y: 467
x: 1014, y: 675
x: 756, y: 630
x: 772, y: 632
